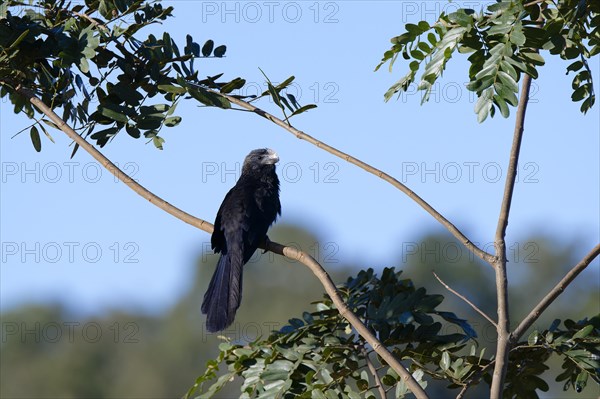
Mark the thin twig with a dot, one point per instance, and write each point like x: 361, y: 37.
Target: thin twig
x: 534, y: 2
x: 481, y: 312
x: 462, y: 392
x: 25, y: 128
x: 487, y: 257
x: 503, y: 326
x: 473, y: 379
x: 553, y: 294
x: 288, y: 252
x: 373, y: 371
x: 92, y: 21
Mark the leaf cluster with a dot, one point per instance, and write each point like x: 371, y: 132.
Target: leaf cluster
x: 578, y: 345
x: 88, y: 63
x: 504, y: 41
x: 319, y: 355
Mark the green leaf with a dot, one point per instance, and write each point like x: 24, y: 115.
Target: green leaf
x: 440, y: 56
x: 533, y: 57
x: 47, y: 134
x: 580, y: 93
x: 554, y: 325
x: 388, y: 380
x: 149, y: 122
x: 424, y: 26
x: 461, y: 18
x: 209, y: 98
x: 533, y: 338
x: 517, y: 36
x: 278, y: 370
x: 508, y: 81
x: 317, y: 394
x: 588, y: 103
x: 235, y: 84
x: 516, y: 62
x: 361, y: 384
x: 424, y: 47
x: 326, y: 376
x: 303, y: 109
x: 452, y: 318
x: 413, y: 30
x: 83, y: 65
x: 576, y: 66
x: 158, y: 142
x: 508, y: 68
x: 581, y: 381
x: 35, y: 138
x: 416, y: 54
x: 285, y: 83
x: 274, y: 95
x: 445, y: 362
x: 220, y: 51
x: 484, y: 105
x: 293, y: 100
x: 133, y: 131
x: 402, y: 84
x: 114, y: 115
x: 172, y: 121
x: 172, y: 89
x: 286, y: 103
x: 296, y: 323
x: 208, y: 48
x: 584, y: 332
x: 432, y: 39
x: 103, y: 136
x: 154, y: 109
x: 75, y: 148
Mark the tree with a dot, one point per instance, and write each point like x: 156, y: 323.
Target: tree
x: 386, y: 313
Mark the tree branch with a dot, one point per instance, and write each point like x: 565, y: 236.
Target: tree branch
x: 111, y: 167
x: 503, y: 326
x: 373, y: 371
x: 487, y: 257
x: 553, y: 294
x: 288, y: 252
x: 481, y: 312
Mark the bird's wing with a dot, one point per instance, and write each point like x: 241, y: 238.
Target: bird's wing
x: 226, y: 219
x: 243, y: 219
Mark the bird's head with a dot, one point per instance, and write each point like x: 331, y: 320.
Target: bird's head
x: 260, y: 157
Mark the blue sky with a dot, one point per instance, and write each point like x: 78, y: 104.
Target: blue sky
x: 69, y: 232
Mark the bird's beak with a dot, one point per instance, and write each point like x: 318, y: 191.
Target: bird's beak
x: 273, y: 157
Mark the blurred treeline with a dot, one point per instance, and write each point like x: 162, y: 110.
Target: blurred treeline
x: 46, y: 352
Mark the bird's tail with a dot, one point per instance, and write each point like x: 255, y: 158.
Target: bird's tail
x: 224, y: 294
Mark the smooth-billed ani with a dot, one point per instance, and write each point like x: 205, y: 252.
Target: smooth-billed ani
x: 244, y: 217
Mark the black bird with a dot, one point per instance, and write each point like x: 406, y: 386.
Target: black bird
x: 244, y: 217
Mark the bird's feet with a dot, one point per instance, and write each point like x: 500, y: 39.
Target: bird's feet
x: 265, y: 244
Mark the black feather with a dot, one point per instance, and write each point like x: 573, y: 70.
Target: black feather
x: 242, y: 221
